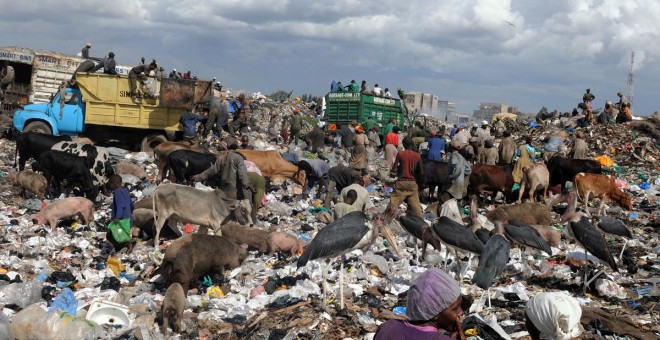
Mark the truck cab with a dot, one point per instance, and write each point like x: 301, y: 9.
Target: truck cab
x: 60, y: 116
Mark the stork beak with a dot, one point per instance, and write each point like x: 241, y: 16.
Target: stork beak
x: 389, y: 236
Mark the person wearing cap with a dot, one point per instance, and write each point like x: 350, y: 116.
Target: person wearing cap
x: 433, y: 305
x: 85, y: 50
x: 483, y: 132
x: 526, y: 155
x: 553, y: 316
x: 460, y: 170
x: 108, y: 64
x: 580, y: 147
x: 174, y: 74
x: 296, y: 126
x: 436, y: 147
x: 489, y: 155
x: 358, y: 159
x: 405, y: 188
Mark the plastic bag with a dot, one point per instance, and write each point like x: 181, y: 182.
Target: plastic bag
x: 34, y: 322
x: 21, y: 294
x: 121, y: 230
x: 65, y: 302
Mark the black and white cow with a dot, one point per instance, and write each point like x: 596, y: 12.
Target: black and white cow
x: 97, y: 159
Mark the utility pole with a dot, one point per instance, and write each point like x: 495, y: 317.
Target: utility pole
x: 630, y: 80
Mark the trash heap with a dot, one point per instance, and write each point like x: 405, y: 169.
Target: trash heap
x: 69, y: 283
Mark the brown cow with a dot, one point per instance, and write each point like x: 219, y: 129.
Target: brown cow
x: 492, y: 178
x: 272, y: 165
x: 535, y: 178
x: 162, y: 150
x: 600, y: 186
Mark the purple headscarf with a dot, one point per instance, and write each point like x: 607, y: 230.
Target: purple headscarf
x: 430, y: 294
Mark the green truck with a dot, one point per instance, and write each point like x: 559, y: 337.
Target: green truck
x: 344, y: 107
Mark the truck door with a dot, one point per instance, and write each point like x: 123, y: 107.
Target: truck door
x: 69, y: 116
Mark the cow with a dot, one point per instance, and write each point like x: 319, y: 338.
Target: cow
x: 436, y: 174
x: 162, y: 150
x: 186, y: 163
x: 535, y: 177
x: 564, y: 169
x: 33, y: 144
x: 491, y: 178
x: 600, y: 186
x: 198, y: 206
x: 273, y: 166
x: 97, y: 159
x: 58, y: 166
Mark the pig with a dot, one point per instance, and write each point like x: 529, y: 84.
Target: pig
x: 144, y: 220
x: 66, y: 207
x: 31, y: 181
x: 193, y: 255
x: 279, y: 241
x: 130, y: 168
x: 535, y: 177
x: 82, y: 140
x: 549, y: 234
x: 253, y: 237
x: 530, y: 213
x: 173, y: 305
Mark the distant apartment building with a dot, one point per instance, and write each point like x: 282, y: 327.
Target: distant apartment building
x: 423, y: 102
x: 446, y: 110
x: 487, y: 110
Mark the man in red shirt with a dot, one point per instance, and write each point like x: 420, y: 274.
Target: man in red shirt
x: 405, y: 188
x: 391, y: 144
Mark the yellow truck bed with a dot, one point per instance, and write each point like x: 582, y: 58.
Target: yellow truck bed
x: 108, y: 102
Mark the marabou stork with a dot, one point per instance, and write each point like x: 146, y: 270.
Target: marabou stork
x: 482, y: 234
x: 616, y: 227
x: 456, y: 236
x: 593, y: 241
x: 352, y: 231
x: 526, y: 236
x: 493, y: 259
x: 418, y: 228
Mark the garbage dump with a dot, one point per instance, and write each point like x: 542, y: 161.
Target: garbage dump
x: 73, y: 279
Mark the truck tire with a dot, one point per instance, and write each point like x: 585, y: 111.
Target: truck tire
x: 151, y: 141
x: 39, y: 127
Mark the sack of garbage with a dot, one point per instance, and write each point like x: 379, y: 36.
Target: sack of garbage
x: 34, y: 322
x: 21, y: 294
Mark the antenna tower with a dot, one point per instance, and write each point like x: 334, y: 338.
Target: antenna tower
x: 630, y: 79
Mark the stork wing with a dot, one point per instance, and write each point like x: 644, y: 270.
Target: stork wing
x: 413, y: 224
x: 338, y: 237
x: 457, y: 235
x: 526, y: 235
x: 492, y: 261
x: 613, y: 226
x: 592, y: 240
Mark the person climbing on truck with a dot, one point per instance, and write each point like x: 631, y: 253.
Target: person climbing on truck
x: 189, y: 122
x: 85, y: 51
x: 132, y: 79
x: 108, y: 64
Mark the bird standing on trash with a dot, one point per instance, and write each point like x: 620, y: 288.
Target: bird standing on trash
x: 352, y: 231
x: 616, y: 227
x: 593, y: 241
x: 526, y: 236
x: 493, y: 259
x: 418, y: 228
x: 456, y: 236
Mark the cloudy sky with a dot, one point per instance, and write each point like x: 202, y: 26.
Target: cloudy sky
x: 520, y: 52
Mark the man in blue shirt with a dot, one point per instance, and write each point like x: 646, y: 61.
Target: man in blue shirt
x: 119, y: 229
x: 436, y: 147
x: 189, y: 121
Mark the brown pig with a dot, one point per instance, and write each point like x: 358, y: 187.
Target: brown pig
x: 280, y: 241
x: 31, y: 181
x: 530, y: 213
x: 130, y: 168
x: 253, y: 237
x: 173, y: 305
x: 67, y: 207
x: 193, y: 255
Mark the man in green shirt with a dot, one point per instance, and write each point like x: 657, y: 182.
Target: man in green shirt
x: 353, y: 87
x: 390, y: 126
x: 369, y: 123
x: 296, y: 126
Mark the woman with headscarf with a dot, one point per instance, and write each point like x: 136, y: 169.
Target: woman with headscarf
x: 526, y: 154
x: 433, y: 304
x: 358, y: 160
x: 459, y: 170
x: 580, y: 147
x: 553, y: 316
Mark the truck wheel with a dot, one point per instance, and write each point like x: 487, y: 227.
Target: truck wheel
x: 39, y: 127
x: 151, y: 141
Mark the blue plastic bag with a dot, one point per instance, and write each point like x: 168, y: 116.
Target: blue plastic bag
x: 65, y: 302
x: 399, y: 310
x: 645, y: 185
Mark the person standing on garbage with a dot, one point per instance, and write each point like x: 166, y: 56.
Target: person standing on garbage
x: 507, y: 149
x: 374, y: 143
x: 483, y: 132
x: 391, y: 146
x: 489, y: 155
x: 119, y: 229
x: 433, y: 304
x: 189, y: 122
x: 405, y: 188
x: 132, y: 79
x: 358, y: 159
x: 258, y: 182
x: 499, y: 127
x: 553, y: 315
x: 526, y: 155
x: 580, y: 147
x: 215, y: 107
x: 459, y: 170
x: 85, y: 51
x: 339, y: 177
x: 243, y: 115
x: 231, y: 172
x: 296, y: 126
x: 587, y: 98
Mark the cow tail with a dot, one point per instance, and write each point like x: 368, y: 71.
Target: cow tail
x: 16, y: 157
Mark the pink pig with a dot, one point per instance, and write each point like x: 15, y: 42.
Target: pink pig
x: 67, y: 207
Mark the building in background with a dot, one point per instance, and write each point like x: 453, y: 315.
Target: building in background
x: 487, y: 110
x: 446, y: 110
x: 424, y: 103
